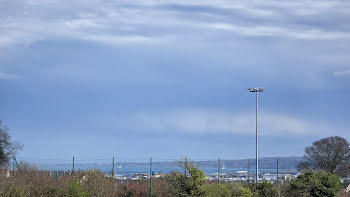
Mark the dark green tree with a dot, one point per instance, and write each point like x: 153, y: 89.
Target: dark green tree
x: 265, y: 189
x: 190, y: 182
x: 317, y: 184
x: 217, y: 190
x: 240, y: 190
x: 8, y: 148
x: 331, y: 154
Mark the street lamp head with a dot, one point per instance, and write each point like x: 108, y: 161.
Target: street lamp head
x: 252, y: 89
x: 256, y: 89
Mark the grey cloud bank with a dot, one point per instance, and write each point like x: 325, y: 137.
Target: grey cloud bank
x: 156, y: 70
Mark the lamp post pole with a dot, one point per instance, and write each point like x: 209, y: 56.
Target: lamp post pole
x: 256, y: 90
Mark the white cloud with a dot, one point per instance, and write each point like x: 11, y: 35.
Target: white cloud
x: 342, y: 73
x: 310, y: 34
x: 152, y: 21
x: 213, y: 121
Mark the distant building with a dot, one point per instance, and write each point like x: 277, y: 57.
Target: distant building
x: 347, y: 189
x: 273, y: 177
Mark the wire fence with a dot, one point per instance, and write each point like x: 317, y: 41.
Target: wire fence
x: 141, y: 168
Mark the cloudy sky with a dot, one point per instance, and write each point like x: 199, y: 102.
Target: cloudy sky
x: 133, y: 79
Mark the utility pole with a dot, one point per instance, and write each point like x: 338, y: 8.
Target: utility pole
x: 278, y: 184
x: 13, y: 165
x: 256, y: 90
x: 56, y: 177
x: 219, y: 170
x: 185, y: 166
x: 150, y: 177
x: 73, y: 167
x: 248, y: 170
x: 113, y: 168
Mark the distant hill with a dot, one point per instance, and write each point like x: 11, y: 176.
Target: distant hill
x: 285, y: 163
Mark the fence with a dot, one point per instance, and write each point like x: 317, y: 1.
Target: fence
x: 270, y: 169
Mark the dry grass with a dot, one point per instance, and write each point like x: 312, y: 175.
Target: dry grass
x: 29, y: 182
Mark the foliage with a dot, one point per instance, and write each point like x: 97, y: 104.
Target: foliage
x: 331, y: 154
x: 8, y: 148
x: 76, y: 189
x: 13, y: 192
x: 239, y: 190
x: 189, y: 183
x: 315, y: 184
x: 95, y: 183
x: 245, y: 192
x: 265, y: 189
x: 217, y: 190
x: 196, y: 181
x: 28, y: 181
x: 138, y: 188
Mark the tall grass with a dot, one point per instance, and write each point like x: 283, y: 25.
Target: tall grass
x: 27, y: 181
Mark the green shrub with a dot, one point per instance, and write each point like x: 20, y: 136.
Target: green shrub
x: 189, y: 184
x: 217, y: 190
x: 265, y: 189
x: 75, y: 189
x: 315, y: 184
x: 13, y: 192
x: 245, y: 192
x: 239, y: 190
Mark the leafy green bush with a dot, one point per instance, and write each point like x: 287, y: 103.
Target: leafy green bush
x: 217, y: 190
x: 13, y: 192
x: 189, y: 183
x: 265, y: 189
x: 315, y: 184
x: 239, y: 190
x: 76, y: 189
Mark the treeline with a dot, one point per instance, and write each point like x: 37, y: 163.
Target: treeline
x: 189, y: 181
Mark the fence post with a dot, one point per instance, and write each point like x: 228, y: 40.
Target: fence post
x: 219, y: 170
x: 13, y: 166
x: 185, y: 166
x: 113, y: 168
x: 57, y: 177
x: 248, y: 170
x: 278, y: 184
x: 150, y: 177
x: 73, y: 167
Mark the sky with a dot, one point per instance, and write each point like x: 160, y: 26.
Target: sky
x: 168, y: 79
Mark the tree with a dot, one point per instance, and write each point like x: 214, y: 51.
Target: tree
x: 8, y: 148
x: 217, y: 190
x: 331, y: 154
x: 189, y: 183
x: 317, y: 184
x: 240, y: 190
x: 265, y: 189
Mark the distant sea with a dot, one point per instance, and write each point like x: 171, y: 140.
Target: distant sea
x: 132, y: 169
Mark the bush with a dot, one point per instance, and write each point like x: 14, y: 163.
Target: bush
x: 181, y: 184
x: 315, y: 184
x: 96, y: 183
x: 265, y: 189
x: 135, y: 189
x: 13, y: 192
x: 75, y: 189
x: 239, y: 190
x: 217, y: 190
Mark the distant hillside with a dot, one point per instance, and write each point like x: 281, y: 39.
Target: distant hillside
x: 285, y: 163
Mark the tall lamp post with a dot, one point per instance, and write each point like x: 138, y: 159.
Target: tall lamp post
x: 256, y: 90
